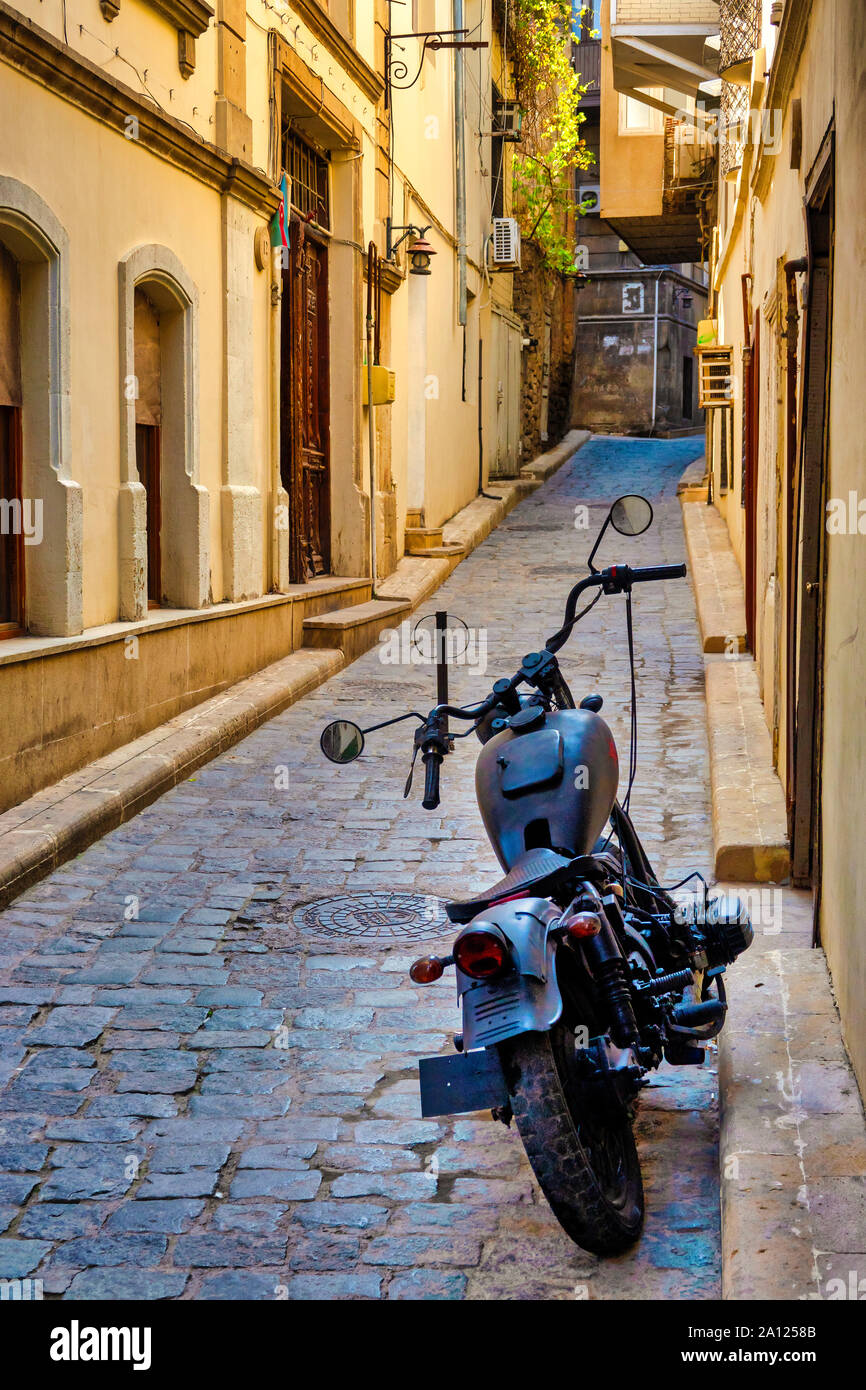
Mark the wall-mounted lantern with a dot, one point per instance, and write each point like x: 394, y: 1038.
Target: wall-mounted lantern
x: 420, y: 252
x: 420, y: 249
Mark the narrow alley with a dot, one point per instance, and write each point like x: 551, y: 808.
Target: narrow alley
x: 209, y: 1038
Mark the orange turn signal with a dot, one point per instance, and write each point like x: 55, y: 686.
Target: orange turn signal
x: 581, y: 925
x: 426, y: 970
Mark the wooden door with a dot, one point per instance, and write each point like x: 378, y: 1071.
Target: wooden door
x: 810, y: 509
x: 751, y: 433
x: 12, y: 530
x: 305, y: 460
x: 147, y: 458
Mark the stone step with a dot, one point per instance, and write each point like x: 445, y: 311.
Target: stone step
x: 420, y: 539
x: 716, y: 578
x: 353, y: 630
x: 438, y: 552
x: 750, y: 823
x: 428, y: 541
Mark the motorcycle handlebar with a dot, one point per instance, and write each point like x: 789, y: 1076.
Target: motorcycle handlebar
x: 616, y: 579
x: 658, y: 572
x: 432, y: 761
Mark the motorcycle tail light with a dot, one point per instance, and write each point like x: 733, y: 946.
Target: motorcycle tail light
x: 581, y: 925
x: 425, y: 970
x: 481, y: 952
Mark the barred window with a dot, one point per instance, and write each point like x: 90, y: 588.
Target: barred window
x: 308, y: 173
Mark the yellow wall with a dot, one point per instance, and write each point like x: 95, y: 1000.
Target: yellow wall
x: 77, y: 178
x: 632, y: 166
x: 759, y: 235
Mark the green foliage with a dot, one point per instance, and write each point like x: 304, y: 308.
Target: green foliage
x: 549, y: 91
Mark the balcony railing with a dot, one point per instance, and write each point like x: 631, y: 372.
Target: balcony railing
x: 733, y: 128
x: 739, y: 36
x: 689, y: 188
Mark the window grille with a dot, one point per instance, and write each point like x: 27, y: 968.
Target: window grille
x: 308, y: 174
x: 715, y: 377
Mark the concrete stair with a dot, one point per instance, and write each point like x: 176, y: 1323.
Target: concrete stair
x: 428, y: 541
x: 355, y: 629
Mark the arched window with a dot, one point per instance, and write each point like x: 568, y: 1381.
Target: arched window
x: 41, y: 550
x: 164, y: 546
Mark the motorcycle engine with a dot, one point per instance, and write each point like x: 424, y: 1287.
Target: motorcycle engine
x: 727, y: 929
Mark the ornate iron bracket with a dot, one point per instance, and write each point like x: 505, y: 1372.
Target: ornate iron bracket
x: 408, y: 230
x: 397, y: 69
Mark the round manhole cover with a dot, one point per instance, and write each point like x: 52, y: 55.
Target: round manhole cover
x: 383, y: 916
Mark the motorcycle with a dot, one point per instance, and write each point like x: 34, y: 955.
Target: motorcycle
x: 578, y: 972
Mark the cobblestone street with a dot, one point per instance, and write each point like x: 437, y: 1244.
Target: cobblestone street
x: 206, y: 1096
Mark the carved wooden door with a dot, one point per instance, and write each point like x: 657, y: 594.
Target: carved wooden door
x: 305, y: 462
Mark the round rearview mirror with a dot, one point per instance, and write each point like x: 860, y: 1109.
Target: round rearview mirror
x: 342, y: 741
x: 631, y: 514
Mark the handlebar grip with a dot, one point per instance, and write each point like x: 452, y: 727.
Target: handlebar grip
x: 641, y: 576
x: 432, y: 761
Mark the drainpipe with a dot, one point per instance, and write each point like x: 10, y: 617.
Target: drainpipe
x: 371, y: 420
x: 656, y: 350
x: 460, y: 168
x: 276, y: 481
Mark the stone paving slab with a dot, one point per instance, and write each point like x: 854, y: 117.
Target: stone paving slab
x: 204, y: 1096
x: 793, y: 1134
x: 63, y: 819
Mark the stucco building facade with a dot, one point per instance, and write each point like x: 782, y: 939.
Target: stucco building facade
x: 184, y: 437
x: 789, y: 299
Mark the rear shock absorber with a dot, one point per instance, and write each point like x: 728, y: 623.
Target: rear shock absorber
x: 611, y: 973
x: 614, y: 984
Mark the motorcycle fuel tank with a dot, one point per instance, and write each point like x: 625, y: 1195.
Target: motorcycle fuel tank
x: 551, y: 783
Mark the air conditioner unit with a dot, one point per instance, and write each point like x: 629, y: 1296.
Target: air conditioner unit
x: 589, y: 199
x: 506, y: 244
x: 507, y: 120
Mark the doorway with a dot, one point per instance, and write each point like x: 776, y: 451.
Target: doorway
x: 148, y: 429
x: 305, y: 369
x: 688, y: 388
x: 807, y: 587
x: 507, y: 337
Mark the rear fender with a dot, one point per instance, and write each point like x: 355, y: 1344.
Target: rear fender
x: 525, y: 1000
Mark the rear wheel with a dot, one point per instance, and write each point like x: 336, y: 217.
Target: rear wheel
x: 582, y: 1153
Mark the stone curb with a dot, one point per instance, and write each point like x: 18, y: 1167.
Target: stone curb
x: 546, y: 464
x: 60, y: 821
x: 750, y: 822
x: 716, y: 578
x: 792, y: 1146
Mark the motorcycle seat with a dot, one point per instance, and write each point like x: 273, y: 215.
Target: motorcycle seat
x: 536, y: 872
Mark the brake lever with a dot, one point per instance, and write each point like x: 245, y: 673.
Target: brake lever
x: 408, y: 786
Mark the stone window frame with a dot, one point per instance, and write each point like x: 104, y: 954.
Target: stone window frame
x: 186, y: 504
x: 54, y: 575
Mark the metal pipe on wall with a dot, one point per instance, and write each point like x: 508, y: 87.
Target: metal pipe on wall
x: 460, y: 167
x: 656, y: 350
x: 275, y: 287
x: 371, y: 422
